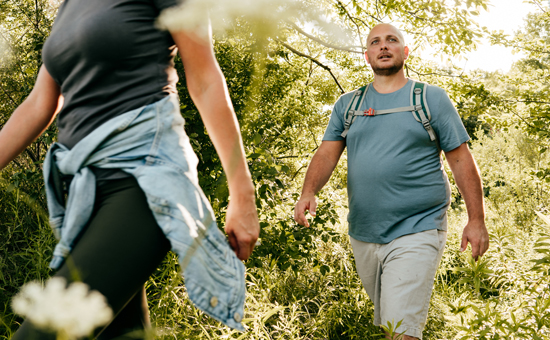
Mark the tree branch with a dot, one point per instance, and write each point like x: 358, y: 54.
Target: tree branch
x: 310, y: 73
x: 352, y: 20
x: 407, y: 67
x: 283, y: 157
x: 9, y: 96
x: 341, y: 48
x: 525, y: 101
x: 532, y: 50
x: 539, y: 6
x: 297, y: 172
x: 315, y: 61
x: 526, y: 122
x: 303, y: 166
x: 30, y: 18
x: 36, y: 13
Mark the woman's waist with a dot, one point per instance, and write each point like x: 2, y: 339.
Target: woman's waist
x: 79, y: 118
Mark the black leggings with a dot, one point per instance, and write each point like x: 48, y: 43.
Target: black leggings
x: 117, y: 252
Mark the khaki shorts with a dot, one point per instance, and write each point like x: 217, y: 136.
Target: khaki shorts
x: 399, y: 277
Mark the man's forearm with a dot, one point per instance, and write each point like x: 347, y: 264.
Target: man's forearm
x: 468, y: 180
x: 321, y: 167
x: 471, y: 189
x: 317, y: 175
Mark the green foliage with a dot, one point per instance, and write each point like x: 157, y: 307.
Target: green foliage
x: 475, y: 275
x: 503, y: 295
x: 301, y: 281
x: 281, y: 304
x: 390, y: 329
x: 527, y: 92
x: 27, y: 245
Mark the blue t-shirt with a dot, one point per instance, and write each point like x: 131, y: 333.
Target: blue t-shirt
x: 396, y: 181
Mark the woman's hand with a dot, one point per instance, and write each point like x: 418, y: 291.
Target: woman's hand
x: 241, y: 225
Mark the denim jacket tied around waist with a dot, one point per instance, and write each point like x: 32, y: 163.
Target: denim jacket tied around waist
x: 150, y: 144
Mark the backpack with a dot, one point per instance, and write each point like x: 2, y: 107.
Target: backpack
x: 418, y: 107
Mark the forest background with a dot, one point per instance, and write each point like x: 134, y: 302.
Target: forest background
x: 283, y: 78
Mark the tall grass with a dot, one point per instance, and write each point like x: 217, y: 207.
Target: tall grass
x: 504, y: 295
x: 26, y: 246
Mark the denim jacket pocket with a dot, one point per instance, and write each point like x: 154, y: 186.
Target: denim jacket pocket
x: 219, y: 251
x: 158, y: 205
x: 212, y: 242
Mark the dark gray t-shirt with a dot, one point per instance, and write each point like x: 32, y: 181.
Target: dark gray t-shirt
x: 108, y: 58
x: 396, y: 181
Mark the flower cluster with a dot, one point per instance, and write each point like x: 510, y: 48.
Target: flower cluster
x: 193, y: 14
x: 74, y: 310
x: 266, y: 16
x: 55, y: 3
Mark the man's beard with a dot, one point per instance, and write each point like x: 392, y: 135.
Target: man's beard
x: 388, y: 71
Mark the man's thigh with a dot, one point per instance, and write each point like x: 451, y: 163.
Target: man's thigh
x: 400, y: 284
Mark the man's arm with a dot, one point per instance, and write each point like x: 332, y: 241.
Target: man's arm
x: 318, y: 173
x: 207, y: 87
x: 467, y: 179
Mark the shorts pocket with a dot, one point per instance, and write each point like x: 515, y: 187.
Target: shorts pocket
x: 442, y: 236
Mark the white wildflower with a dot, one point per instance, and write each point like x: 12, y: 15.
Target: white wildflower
x: 74, y: 310
x: 265, y: 15
x: 55, y: 3
x: 195, y: 13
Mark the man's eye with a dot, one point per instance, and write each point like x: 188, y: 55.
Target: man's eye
x: 374, y: 42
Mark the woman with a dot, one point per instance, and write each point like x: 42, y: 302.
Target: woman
x: 108, y: 75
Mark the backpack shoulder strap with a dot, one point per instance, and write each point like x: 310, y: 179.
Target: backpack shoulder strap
x: 421, y: 111
x: 354, y: 105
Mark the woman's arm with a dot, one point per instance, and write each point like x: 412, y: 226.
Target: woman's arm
x: 31, y: 118
x: 207, y: 87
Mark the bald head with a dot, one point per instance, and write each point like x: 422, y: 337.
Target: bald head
x: 386, y: 51
x: 380, y: 29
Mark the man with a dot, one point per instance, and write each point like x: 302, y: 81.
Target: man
x: 398, y: 190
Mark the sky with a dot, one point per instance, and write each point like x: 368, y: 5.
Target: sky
x: 506, y: 15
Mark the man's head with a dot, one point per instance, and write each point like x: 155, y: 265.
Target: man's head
x: 386, y: 51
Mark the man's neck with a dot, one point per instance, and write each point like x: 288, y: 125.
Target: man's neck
x: 389, y: 84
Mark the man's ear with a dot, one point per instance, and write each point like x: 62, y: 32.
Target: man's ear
x: 367, y: 57
x: 406, y: 52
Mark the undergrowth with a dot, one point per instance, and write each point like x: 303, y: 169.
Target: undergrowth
x: 505, y: 295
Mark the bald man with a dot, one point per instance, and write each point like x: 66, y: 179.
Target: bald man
x: 398, y: 190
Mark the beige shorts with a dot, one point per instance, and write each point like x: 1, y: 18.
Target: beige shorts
x: 399, y: 277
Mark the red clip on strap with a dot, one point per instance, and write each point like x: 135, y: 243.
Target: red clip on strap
x: 369, y: 112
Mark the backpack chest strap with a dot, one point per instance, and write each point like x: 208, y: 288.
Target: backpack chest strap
x: 373, y: 112
x: 418, y: 107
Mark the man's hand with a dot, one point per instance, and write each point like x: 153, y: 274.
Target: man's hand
x: 476, y: 234
x: 242, y: 226
x: 468, y: 180
x: 318, y: 172
x: 308, y: 203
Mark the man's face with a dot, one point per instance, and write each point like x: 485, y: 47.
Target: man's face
x: 386, y: 52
